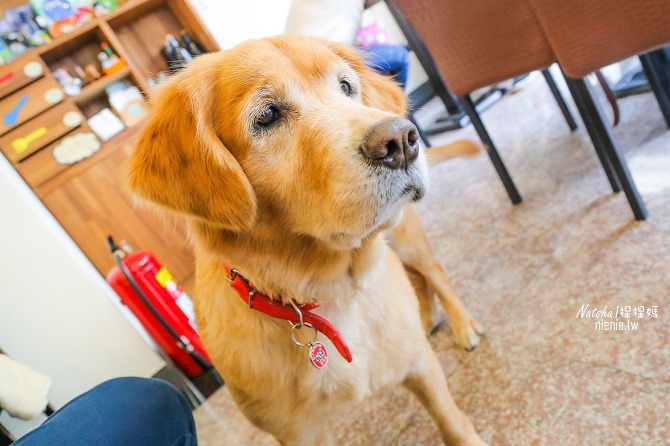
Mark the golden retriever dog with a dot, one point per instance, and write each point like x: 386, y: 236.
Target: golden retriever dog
x: 295, y: 169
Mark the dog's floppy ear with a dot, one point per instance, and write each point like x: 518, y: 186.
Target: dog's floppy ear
x: 378, y: 90
x: 181, y: 164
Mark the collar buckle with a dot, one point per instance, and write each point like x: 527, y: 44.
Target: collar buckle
x: 231, y: 278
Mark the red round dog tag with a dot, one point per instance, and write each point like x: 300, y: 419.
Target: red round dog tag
x: 318, y: 355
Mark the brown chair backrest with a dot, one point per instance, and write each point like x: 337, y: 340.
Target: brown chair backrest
x: 476, y: 43
x: 589, y: 34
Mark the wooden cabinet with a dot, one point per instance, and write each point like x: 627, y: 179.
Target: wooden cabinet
x: 88, y: 196
x: 93, y: 204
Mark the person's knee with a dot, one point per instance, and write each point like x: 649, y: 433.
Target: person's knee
x: 146, y: 393
x: 128, y: 411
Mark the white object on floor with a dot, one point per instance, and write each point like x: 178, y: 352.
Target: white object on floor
x: 23, y: 391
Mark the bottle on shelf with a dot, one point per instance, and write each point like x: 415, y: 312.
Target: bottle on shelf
x: 110, y: 62
x: 176, y: 56
x: 191, y: 45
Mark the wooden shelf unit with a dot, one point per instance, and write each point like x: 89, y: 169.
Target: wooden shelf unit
x: 88, y: 198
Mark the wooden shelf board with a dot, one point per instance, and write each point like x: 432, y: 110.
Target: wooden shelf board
x: 99, y: 85
x: 131, y: 11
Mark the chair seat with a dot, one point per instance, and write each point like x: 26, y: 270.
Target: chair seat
x: 476, y: 43
x: 589, y: 34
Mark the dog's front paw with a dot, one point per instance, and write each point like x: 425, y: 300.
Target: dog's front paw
x: 467, y: 332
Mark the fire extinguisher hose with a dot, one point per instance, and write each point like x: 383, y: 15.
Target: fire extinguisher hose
x: 182, y: 341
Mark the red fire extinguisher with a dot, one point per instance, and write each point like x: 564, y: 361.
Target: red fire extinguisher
x: 157, y: 300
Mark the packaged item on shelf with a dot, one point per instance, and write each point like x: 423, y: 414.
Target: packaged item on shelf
x: 105, y: 124
x: 62, y: 16
x: 23, y: 19
x: 127, y: 102
x: 16, y: 43
x: 57, y: 10
x: 71, y: 84
x: 9, y: 31
x: 102, y: 7
x: 5, y: 53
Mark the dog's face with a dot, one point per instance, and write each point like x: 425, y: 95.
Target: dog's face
x: 285, y: 132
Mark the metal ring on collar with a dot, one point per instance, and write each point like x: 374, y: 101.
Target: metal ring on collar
x: 298, y: 343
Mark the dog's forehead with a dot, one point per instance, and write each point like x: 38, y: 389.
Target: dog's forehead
x: 287, y: 57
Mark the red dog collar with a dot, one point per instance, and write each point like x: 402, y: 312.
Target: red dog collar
x: 296, y: 314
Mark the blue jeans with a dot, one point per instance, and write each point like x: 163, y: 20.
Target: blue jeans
x: 119, y: 412
x: 388, y: 59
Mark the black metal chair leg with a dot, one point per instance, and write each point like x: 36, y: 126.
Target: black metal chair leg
x: 505, y: 177
x: 609, y: 144
x: 559, y: 100
x: 595, y: 137
x: 422, y: 134
x: 658, y: 80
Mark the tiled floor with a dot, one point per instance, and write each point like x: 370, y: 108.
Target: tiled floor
x: 542, y: 376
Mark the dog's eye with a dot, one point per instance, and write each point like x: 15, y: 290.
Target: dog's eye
x: 345, y: 86
x: 268, y: 117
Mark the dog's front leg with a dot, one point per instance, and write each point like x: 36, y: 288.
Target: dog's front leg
x: 428, y: 382
x: 410, y: 244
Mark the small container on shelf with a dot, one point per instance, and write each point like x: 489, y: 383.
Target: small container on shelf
x: 71, y: 84
x: 110, y: 62
x: 92, y: 72
x: 127, y: 102
x: 106, y: 124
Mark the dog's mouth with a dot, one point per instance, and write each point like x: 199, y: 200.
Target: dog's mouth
x: 415, y: 192
x: 388, y: 216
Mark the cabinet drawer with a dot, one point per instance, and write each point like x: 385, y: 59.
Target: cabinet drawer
x: 22, y: 105
x: 19, y: 73
x: 59, y: 156
x: 44, y: 129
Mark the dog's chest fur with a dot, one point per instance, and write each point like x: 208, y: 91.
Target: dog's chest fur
x: 270, y: 377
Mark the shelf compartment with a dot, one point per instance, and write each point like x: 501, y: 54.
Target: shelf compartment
x: 80, y: 53
x: 144, y: 36
x: 77, y: 33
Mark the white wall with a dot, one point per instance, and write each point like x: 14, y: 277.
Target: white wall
x: 56, y: 312
x: 232, y: 22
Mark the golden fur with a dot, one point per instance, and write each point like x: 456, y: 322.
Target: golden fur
x: 298, y: 211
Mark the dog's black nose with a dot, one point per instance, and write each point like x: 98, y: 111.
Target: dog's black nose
x: 393, y: 144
